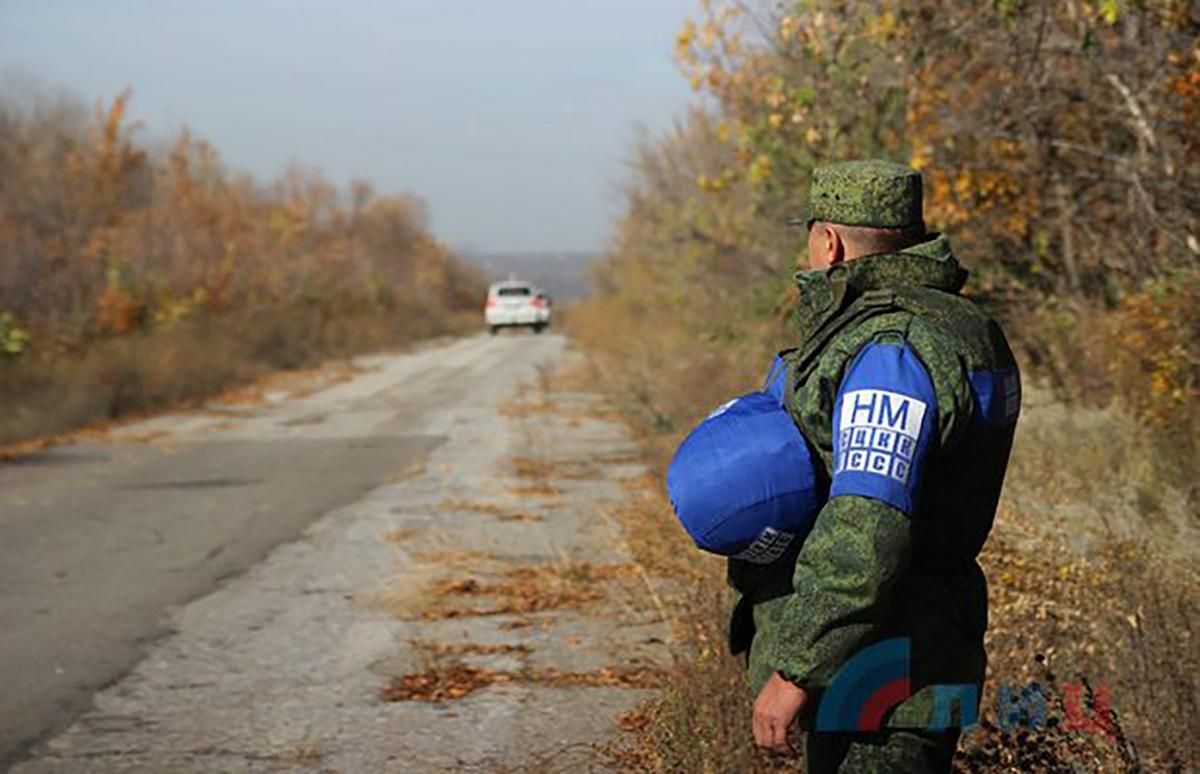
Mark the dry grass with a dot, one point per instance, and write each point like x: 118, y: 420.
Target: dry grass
x: 529, y: 401
x: 534, y: 400
x: 296, y: 383
x: 1091, y: 568
x: 700, y: 722
x: 445, y: 683
x: 1122, y: 615
x: 236, y: 359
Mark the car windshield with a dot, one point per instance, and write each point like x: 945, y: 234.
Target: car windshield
x: 513, y: 291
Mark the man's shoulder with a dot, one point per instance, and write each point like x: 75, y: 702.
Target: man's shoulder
x: 958, y: 330
x: 946, y: 330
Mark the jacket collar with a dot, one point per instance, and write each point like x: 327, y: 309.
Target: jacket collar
x: 823, y: 293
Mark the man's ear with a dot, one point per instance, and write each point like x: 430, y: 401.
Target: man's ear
x: 835, y: 248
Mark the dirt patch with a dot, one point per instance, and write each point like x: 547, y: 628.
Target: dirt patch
x: 527, y: 402
x: 518, y: 591
x: 542, y: 469
x: 412, y: 470
x: 502, y: 513
x: 535, y: 489
x: 441, y: 649
x: 399, y: 536
x: 522, y: 408
x: 455, y: 557
x: 454, y: 681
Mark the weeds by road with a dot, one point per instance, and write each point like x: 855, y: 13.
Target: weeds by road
x: 1087, y: 586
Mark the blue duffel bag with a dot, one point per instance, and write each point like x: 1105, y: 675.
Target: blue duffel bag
x: 743, y: 483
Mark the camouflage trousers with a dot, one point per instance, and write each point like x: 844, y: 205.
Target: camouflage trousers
x: 901, y: 751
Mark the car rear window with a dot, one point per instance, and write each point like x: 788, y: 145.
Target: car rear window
x: 513, y: 292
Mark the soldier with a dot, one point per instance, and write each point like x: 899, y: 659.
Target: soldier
x: 908, y: 394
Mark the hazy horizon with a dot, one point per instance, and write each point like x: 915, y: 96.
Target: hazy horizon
x: 512, y: 121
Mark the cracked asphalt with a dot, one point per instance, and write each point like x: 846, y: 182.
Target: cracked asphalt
x: 233, y: 588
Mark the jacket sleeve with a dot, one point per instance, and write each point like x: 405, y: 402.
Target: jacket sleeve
x: 887, y: 420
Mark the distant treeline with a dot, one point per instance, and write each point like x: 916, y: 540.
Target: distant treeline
x: 107, y: 242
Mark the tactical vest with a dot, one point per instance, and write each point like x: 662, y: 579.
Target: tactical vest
x: 758, y: 583
x: 845, y: 310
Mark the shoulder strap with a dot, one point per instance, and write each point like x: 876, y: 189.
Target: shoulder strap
x: 801, y: 360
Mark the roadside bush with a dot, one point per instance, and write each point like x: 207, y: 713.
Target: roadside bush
x: 194, y: 361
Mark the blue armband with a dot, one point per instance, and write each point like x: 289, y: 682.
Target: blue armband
x: 884, y: 421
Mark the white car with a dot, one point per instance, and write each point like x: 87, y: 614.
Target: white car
x: 513, y: 302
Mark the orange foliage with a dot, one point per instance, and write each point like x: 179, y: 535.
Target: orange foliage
x: 101, y: 237
x: 1154, y: 353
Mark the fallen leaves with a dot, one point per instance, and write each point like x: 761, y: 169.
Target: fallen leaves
x: 442, y: 683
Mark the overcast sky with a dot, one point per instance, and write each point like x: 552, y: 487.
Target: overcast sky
x: 512, y: 118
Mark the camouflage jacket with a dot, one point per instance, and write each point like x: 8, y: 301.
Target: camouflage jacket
x: 911, y: 411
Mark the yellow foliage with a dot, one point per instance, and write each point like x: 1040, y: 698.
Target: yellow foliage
x: 14, y: 340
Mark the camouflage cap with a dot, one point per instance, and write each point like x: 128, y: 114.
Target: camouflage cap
x: 865, y: 193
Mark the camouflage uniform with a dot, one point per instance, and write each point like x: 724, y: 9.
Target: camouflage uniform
x: 910, y: 406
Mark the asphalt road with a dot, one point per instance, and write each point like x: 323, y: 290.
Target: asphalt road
x: 123, y: 559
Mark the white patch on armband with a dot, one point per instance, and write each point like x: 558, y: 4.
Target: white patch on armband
x: 878, y: 433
